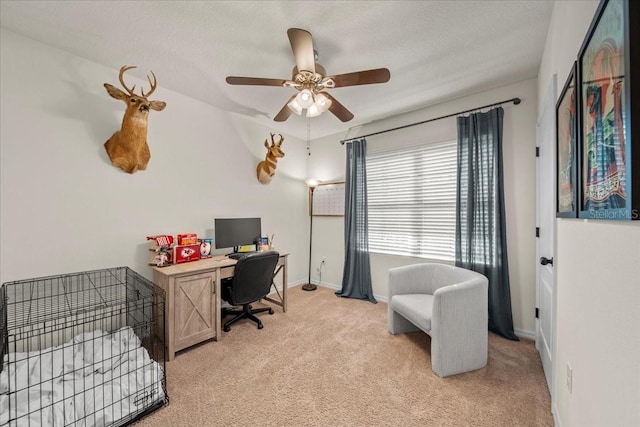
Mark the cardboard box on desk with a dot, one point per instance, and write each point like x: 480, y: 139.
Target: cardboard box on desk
x: 187, y: 239
x: 186, y: 253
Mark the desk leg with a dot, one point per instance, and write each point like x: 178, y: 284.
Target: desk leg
x: 217, y: 307
x: 282, y: 302
x: 285, y: 282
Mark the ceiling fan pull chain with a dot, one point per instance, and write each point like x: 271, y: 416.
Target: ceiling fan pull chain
x: 308, y: 136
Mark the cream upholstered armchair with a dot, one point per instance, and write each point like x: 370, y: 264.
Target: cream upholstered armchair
x: 448, y: 303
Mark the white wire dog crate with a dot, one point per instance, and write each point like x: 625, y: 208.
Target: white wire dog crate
x: 81, y: 349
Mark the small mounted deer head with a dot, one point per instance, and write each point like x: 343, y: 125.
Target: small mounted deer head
x: 267, y: 168
x: 127, y: 148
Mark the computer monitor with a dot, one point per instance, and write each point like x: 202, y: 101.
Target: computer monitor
x: 236, y: 232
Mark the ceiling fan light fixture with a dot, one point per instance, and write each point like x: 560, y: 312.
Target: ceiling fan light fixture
x: 294, y: 106
x: 313, y: 111
x: 322, y: 102
x: 305, y: 98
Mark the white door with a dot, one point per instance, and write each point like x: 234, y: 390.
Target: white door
x: 545, y: 222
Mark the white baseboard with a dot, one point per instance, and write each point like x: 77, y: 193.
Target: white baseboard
x: 329, y: 285
x: 296, y: 283
x: 522, y: 333
x: 380, y: 298
x: 554, y: 411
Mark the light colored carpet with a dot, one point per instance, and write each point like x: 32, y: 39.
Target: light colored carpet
x: 330, y: 361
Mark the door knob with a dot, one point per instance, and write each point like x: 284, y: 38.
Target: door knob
x: 545, y: 261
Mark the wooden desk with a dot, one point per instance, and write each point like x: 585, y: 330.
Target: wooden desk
x: 192, y: 310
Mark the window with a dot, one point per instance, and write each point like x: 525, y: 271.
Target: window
x: 412, y: 201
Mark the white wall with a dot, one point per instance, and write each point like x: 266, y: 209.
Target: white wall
x: 327, y: 164
x: 65, y: 208
x: 597, y: 281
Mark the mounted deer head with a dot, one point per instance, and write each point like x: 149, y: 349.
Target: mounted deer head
x: 127, y: 148
x: 267, y: 168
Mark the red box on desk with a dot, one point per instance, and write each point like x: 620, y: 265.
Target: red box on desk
x: 187, y: 239
x: 186, y: 253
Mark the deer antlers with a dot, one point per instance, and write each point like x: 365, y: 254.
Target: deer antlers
x: 153, y: 84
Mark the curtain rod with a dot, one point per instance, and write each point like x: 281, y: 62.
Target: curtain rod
x: 516, y: 101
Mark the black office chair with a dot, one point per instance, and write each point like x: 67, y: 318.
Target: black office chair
x: 251, y: 282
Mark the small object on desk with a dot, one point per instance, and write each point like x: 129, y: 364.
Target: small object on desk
x: 205, y: 248
x: 187, y: 239
x: 186, y: 253
x: 161, y: 257
x: 159, y: 241
x: 270, y: 242
x: 263, y: 244
x: 160, y: 250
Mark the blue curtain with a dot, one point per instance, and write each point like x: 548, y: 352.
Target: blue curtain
x: 481, y: 238
x: 356, y: 274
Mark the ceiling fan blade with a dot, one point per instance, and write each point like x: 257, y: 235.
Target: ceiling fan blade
x: 285, y: 112
x: 379, y: 75
x: 339, y: 110
x: 302, y: 47
x: 255, y: 81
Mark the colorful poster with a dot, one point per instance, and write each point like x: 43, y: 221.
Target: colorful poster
x: 603, y: 114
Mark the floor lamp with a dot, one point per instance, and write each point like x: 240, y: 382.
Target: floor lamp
x: 311, y: 183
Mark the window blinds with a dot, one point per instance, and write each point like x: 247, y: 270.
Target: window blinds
x: 412, y: 201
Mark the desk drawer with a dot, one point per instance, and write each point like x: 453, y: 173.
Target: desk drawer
x: 226, y: 272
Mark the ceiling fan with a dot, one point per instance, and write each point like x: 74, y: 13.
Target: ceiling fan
x: 311, y: 80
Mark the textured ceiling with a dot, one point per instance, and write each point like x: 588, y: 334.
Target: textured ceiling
x: 435, y: 50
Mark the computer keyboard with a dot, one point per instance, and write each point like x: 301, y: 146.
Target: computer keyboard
x: 238, y: 255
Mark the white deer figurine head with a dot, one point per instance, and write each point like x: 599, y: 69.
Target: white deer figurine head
x: 127, y: 148
x: 267, y: 168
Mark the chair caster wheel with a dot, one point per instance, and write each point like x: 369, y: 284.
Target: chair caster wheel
x: 227, y: 328
x: 260, y: 326
x: 271, y: 311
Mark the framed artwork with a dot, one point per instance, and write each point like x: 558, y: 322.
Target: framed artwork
x: 609, y: 113
x: 566, y: 148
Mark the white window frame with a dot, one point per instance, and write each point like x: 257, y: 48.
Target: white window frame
x: 412, y: 201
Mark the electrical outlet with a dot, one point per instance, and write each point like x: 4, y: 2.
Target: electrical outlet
x: 569, y: 377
